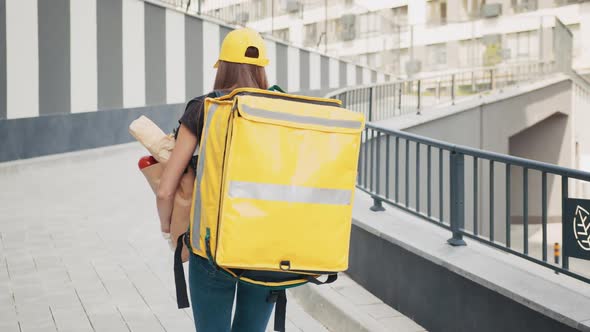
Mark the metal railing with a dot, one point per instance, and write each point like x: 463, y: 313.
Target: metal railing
x: 448, y: 184
x: 496, y: 199
x: 387, y: 100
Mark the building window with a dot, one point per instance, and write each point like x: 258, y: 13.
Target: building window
x: 392, y: 17
x: 468, y: 55
x: 401, y: 15
x: 575, y: 30
x: 523, y: 46
x: 363, y: 59
x: 391, y: 60
x: 282, y: 34
x: 522, y: 6
x: 260, y: 10
x: 311, y: 34
x: 567, y: 2
x: 334, y: 30
x: 437, y: 55
x: 369, y: 24
x: 437, y: 12
x: 474, y: 7
x: 372, y: 60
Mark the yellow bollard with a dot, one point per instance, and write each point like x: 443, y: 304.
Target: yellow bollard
x: 556, y: 250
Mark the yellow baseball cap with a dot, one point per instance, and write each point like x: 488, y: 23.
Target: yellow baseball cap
x: 235, y: 44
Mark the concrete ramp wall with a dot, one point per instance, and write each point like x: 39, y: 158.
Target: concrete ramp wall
x: 406, y: 262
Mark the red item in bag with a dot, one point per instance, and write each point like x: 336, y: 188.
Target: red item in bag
x: 146, y: 161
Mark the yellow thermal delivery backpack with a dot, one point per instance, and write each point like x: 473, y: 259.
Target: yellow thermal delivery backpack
x: 274, y: 188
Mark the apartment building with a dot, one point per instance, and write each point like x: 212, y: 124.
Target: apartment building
x: 410, y: 36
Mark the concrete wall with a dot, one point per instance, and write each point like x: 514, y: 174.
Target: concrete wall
x: 58, y: 133
x: 433, y: 296
x: 556, y: 148
x: 407, y: 263
x: 581, y: 106
x: 84, y: 56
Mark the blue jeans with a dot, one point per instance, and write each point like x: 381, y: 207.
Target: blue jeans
x: 212, y: 297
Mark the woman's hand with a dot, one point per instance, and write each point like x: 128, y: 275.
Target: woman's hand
x: 186, y: 142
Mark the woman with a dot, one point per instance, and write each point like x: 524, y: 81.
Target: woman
x: 241, y: 64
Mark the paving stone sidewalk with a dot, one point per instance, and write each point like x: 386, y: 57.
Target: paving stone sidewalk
x: 80, y: 249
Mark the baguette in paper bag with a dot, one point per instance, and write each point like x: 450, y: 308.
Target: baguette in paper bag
x: 161, y: 145
x: 153, y: 138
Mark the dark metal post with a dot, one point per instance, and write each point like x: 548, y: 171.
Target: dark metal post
x: 399, y: 100
x: 387, y: 166
x: 525, y: 209
x: 419, y: 95
x: 440, y: 185
x: 492, y: 200
x: 429, y: 180
x: 564, y: 196
x: 556, y: 252
x: 418, y: 177
x: 377, y: 205
x: 396, y: 169
x: 544, y: 213
x: 475, y: 195
x: 453, y: 89
x: 457, y: 170
x: 407, y: 171
x: 508, y: 201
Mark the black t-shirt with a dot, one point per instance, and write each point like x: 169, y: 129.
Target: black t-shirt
x: 193, y: 116
x: 193, y: 119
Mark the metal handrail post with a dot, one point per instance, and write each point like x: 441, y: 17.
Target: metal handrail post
x: 457, y: 170
x: 419, y: 97
x: 564, y: 198
x: 400, y: 97
x: 371, y: 104
x: 377, y: 205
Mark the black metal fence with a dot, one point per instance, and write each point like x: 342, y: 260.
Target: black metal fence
x: 446, y: 184
x: 387, y: 100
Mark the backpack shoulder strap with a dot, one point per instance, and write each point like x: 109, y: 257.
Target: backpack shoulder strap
x: 217, y: 93
x: 276, y: 88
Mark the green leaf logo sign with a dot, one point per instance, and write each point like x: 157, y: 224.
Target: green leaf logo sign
x: 582, y: 228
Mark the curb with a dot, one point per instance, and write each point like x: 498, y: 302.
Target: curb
x: 333, y: 310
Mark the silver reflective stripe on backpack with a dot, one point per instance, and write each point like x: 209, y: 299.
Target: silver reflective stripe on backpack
x: 196, y: 231
x: 289, y: 193
x: 301, y: 119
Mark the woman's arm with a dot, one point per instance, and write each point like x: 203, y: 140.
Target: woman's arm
x: 186, y: 143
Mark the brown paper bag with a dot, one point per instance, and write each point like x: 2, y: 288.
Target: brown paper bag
x: 160, y: 146
x: 182, y: 202
x: 152, y: 174
x: 182, y: 209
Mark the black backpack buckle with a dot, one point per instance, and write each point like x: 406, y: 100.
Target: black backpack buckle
x: 273, y: 296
